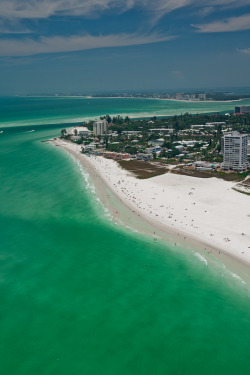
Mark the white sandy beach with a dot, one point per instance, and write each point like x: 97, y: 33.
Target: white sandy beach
x: 207, y: 210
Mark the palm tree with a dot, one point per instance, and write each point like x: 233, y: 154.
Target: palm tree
x: 63, y: 132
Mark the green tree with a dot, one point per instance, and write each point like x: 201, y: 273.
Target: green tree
x: 106, y: 138
x: 163, y: 153
x: 108, y: 118
x: 173, y: 153
x: 63, y: 132
x: 131, y: 149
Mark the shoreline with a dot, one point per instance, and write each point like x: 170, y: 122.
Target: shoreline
x: 172, y: 100
x: 125, y: 212
x: 129, y: 97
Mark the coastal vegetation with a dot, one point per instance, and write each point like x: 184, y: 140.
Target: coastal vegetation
x: 143, y: 169
x: 181, y: 140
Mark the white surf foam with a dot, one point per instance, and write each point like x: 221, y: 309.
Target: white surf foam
x: 200, y: 257
x: 235, y: 276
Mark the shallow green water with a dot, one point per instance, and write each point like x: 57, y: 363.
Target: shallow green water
x: 80, y: 295
x: 53, y: 110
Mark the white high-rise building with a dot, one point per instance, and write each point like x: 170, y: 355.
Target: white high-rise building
x: 234, y: 150
x: 242, y: 109
x: 100, y: 127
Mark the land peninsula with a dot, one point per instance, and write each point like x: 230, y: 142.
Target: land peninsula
x: 178, y: 188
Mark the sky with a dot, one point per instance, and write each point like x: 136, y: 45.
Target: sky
x: 85, y: 46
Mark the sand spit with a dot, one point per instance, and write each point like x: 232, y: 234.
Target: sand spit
x: 207, y: 210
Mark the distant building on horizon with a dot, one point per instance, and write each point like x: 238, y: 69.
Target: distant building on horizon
x: 202, y: 96
x: 179, y: 95
x: 242, y: 109
x: 100, y: 127
x: 234, y: 150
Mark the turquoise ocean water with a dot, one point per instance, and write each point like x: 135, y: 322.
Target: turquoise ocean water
x: 18, y: 111
x: 81, y: 295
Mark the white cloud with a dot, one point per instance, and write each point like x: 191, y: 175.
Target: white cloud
x: 15, y: 27
x: 205, y: 11
x: 28, y: 9
x: 227, y: 25
x: 28, y: 46
x: 246, y: 51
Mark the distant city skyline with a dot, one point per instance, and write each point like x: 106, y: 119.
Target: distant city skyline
x: 109, y: 45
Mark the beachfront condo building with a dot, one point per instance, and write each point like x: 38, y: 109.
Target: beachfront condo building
x: 234, y: 150
x: 242, y: 109
x: 100, y: 127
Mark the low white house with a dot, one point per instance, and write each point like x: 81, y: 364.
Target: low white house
x: 75, y: 138
x: 180, y: 148
x: 90, y: 147
x: 189, y: 143
x: 156, y: 142
x: 151, y: 150
x: 81, y: 131
x: 144, y: 157
x: 161, y: 130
